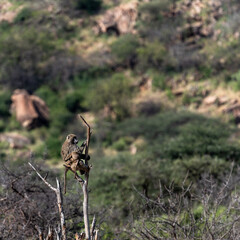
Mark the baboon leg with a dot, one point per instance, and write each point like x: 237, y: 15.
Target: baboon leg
x: 65, y: 179
x: 75, y: 175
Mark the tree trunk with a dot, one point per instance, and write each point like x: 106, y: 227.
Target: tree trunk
x: 85, y: 209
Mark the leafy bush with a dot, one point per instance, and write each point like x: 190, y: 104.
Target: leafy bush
x: 152, y: 11
x: 2, y: 125
x: 206, y: 71
x: 5, y: 101
x: 74, y: 101
x: 23, y: 54
x: 235, y: 81
x: 205, y: 138
x: 181, y: 135
x: 159, y: 81
x: 152, y: 55
x: 4, y: 25
x: 114, y: 93
x: 53, y: 147
x: 59, y: 114
x: 124, y: 48
x: 91, y: 6
x: 195, y: 167
x: 119, y: 145
x: 23, y: 15
x: 13, y: 124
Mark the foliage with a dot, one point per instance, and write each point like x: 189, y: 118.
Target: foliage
x: 91, y: 6
x: 49, y: 51
x: 235, y: 81
x: 59, y: 119
x: 152, y: 11
x: 124, y: 48
x: 113, y: 93
x: 5, y: 101
x: 182, y: 134
x: 74, y: 101
x: 159, y: 81
x: 23, y: 54
x: 152, y: 54
x: 52, y: 145
x: 119, y: 145
x: 59, y: 115
x: 23, y: 15
x: 212, y: 212
x: 12, y: 124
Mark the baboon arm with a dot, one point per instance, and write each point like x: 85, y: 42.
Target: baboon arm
x: 68, y: 157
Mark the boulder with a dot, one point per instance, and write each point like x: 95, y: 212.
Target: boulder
x: 223, y: 100
x: 6, y: 11
x: 31, y: 111
x: 210, y: 100
x: 15, y: 140
x: 120, y: 20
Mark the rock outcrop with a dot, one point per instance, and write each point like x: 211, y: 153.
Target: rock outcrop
x: 201, y: 17
x: 31, y: 111
x: 6, y: 12
x: 120, y: 20
x: 15, y: 140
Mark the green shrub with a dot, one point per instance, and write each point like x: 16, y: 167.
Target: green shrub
x: 91, y: 6
x: 152, y: 55
x: 235, y: 81
x: 4, y: 25
x: 124, y: 48
x: 13, y: 124
x: 120, y: 144
x: 24, y: 53
x: 59, y: 114
x: 23, y: 15
x: 53, y: 147
x: 5, y: 101
x: 74, y: 101
x: 2, y: 125
x: 159, y: 81
x: 206, y: 71
x: 196, y: 166
x: 186, y: 99
x: 181, y: 135
x: 205, y: 138
x: 152, y: 11
x: 114, y: 93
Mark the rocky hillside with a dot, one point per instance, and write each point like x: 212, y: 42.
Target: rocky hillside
x: 157, y: 80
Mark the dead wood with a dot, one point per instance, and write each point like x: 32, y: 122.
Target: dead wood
x: 58, y: 192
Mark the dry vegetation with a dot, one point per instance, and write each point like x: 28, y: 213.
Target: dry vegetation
x: 163, y: 101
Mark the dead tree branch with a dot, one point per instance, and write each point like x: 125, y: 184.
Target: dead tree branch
x: 85, y: 183
x: 58, y: 192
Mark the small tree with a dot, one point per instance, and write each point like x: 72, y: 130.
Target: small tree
x: 90, y: 233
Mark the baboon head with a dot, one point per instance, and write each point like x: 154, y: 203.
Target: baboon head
x: 72, y: 138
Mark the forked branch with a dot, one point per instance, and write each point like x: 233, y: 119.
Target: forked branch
x: 85, y: 184
x: 58, y: 192
x: 89, y: 133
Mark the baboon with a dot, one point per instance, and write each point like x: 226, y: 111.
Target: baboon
x: 73, y: 157
x: 70, y: 145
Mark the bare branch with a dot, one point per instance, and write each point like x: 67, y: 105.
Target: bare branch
x: 59, y: 202
x: 40, y: 234
x: 85, y: 184
x: 88, y: 136
x: 93, y: 225
x: 43, y: 179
